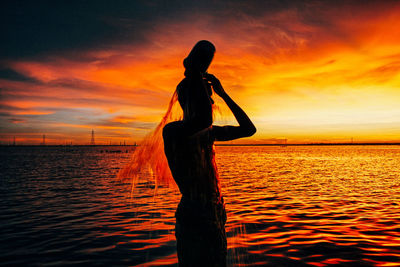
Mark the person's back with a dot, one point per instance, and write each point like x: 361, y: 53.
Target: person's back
x: 192, y: 163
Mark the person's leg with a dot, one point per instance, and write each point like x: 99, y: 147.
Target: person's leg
x: 203, y: 244
x: 201, y: 240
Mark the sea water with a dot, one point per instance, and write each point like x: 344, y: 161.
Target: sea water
x: 286, y: 206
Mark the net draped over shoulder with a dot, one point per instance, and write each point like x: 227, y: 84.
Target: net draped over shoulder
x: 200, y: 216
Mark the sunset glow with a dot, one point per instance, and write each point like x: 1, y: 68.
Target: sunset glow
x: 315, y: 73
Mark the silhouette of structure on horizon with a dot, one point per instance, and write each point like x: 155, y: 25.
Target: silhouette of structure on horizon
x: 92, y: 143
x: 44, y: 141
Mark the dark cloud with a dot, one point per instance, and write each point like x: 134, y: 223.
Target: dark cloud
x: 12, y: 75
x: 36, y: 28
x: 30, y: 28
x: 16, y: 120
x: 33, y: 28
x: 7, y: 110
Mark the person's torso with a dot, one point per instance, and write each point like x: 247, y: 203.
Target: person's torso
x: 192, y: 163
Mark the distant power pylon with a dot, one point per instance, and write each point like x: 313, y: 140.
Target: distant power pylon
x: 92, y: 140
x: 44, y: 140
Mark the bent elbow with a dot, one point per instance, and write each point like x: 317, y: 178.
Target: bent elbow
x: 252, y: 130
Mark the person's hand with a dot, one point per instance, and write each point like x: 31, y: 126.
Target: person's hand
x: 216, y: 84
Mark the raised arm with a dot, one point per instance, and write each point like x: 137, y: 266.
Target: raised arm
x: 194, y: 98
x: 197, y: 107
x: 246, y: 127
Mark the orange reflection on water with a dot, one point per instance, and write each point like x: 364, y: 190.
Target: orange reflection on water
x: 290, y: 205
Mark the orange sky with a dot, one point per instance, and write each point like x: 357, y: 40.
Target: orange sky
x: 313, y: 75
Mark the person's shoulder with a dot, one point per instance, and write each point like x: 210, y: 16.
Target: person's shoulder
x: 183, y: 83
x: 172, y: 129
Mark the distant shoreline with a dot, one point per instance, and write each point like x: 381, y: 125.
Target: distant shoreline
x: 316, y: 144
x: 281, y: 145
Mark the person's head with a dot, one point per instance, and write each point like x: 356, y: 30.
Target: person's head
x: 190, y: 91
x: 199, y: 59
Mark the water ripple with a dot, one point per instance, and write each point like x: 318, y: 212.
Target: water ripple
x: 287, y: 206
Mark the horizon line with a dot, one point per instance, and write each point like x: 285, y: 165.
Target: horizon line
x: 217, y: 144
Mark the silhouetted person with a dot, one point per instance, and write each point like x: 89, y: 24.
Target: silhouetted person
x: 188, y: 145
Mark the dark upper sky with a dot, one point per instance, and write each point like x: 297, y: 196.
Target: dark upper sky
x: 31, y: 28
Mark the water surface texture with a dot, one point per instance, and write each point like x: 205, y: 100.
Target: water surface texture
x: 286, y: 206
